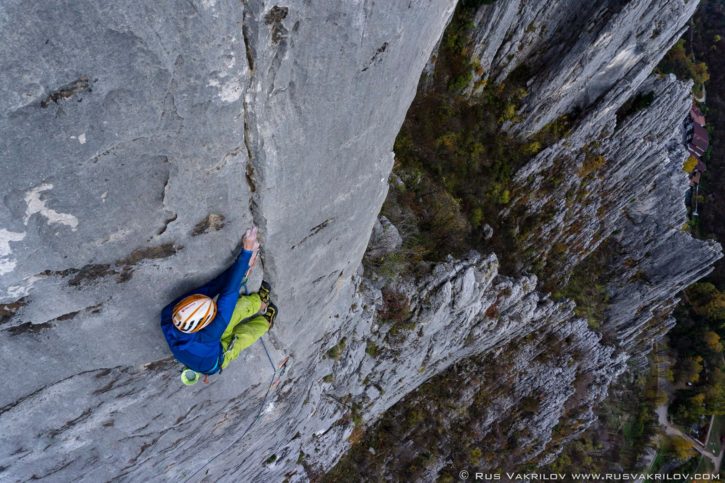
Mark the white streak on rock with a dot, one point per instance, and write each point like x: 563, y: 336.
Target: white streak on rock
x: 231, y: 91
x: 37, y: 205
x: 7, y: 264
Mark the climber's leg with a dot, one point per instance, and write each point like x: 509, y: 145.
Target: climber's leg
x: 247, y: 306
x: 242, y: 336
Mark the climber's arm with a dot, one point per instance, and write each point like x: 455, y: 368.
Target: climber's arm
x: 228, y: 296
x: 216, y: 285
x: 229, y: 293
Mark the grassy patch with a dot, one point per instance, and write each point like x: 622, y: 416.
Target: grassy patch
x: 372, y: 349
x: 336, y: 351
x: 713, y: 443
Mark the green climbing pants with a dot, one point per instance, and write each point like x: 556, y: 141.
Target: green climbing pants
x: 244, y: 328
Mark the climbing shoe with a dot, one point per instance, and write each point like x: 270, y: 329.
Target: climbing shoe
x: 264, y: 292
x: 270, y: 314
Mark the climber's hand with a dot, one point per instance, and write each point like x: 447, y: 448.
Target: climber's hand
x: 250, y: 240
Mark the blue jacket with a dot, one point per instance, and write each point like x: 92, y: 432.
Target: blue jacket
x: 202, y: 351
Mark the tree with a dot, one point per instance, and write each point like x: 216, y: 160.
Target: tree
x: 691, y: 369
x: 715, y: 396
x: 707, y: 301
x: 715, y: 309
x: 690, y: 164
x: 683, y: 65
x: 699, y: 73
x: 682, y: 448
x: 690, y: 410
x: 713, y: 341
x: 698, y: 400
x: 700, y: 293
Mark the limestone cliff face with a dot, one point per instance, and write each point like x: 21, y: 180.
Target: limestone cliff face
x: 464, y: 309
x: 616, y: 175
x: 139, y: 140
x: 575, y: 52
x: 621, y: 181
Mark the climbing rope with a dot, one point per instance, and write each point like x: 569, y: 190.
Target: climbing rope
x: 272, y: 384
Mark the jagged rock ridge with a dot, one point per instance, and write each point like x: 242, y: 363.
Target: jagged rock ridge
x: 575, y: 52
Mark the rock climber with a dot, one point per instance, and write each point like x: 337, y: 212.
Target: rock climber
x: 210, y: 326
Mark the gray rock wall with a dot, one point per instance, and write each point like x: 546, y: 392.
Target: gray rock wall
x: 576, y: 51
x: 325, y: 100
x: 465, y: 308
x: 600, y: 172
x: 138, y: 141
x: 112, y: 128
x: 622, y: 180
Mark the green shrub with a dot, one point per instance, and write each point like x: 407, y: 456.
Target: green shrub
x: 477, y: 217
x: 532, y: 148
x: 505, y: 197
x: 461, y: 81
x: 509, y: 113
x: 336, y: 351
x: 372, y: 349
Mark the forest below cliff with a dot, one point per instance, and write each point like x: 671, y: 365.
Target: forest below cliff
x: 451, y: 182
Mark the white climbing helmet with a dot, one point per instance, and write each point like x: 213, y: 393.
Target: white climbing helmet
x: 193, y: 313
